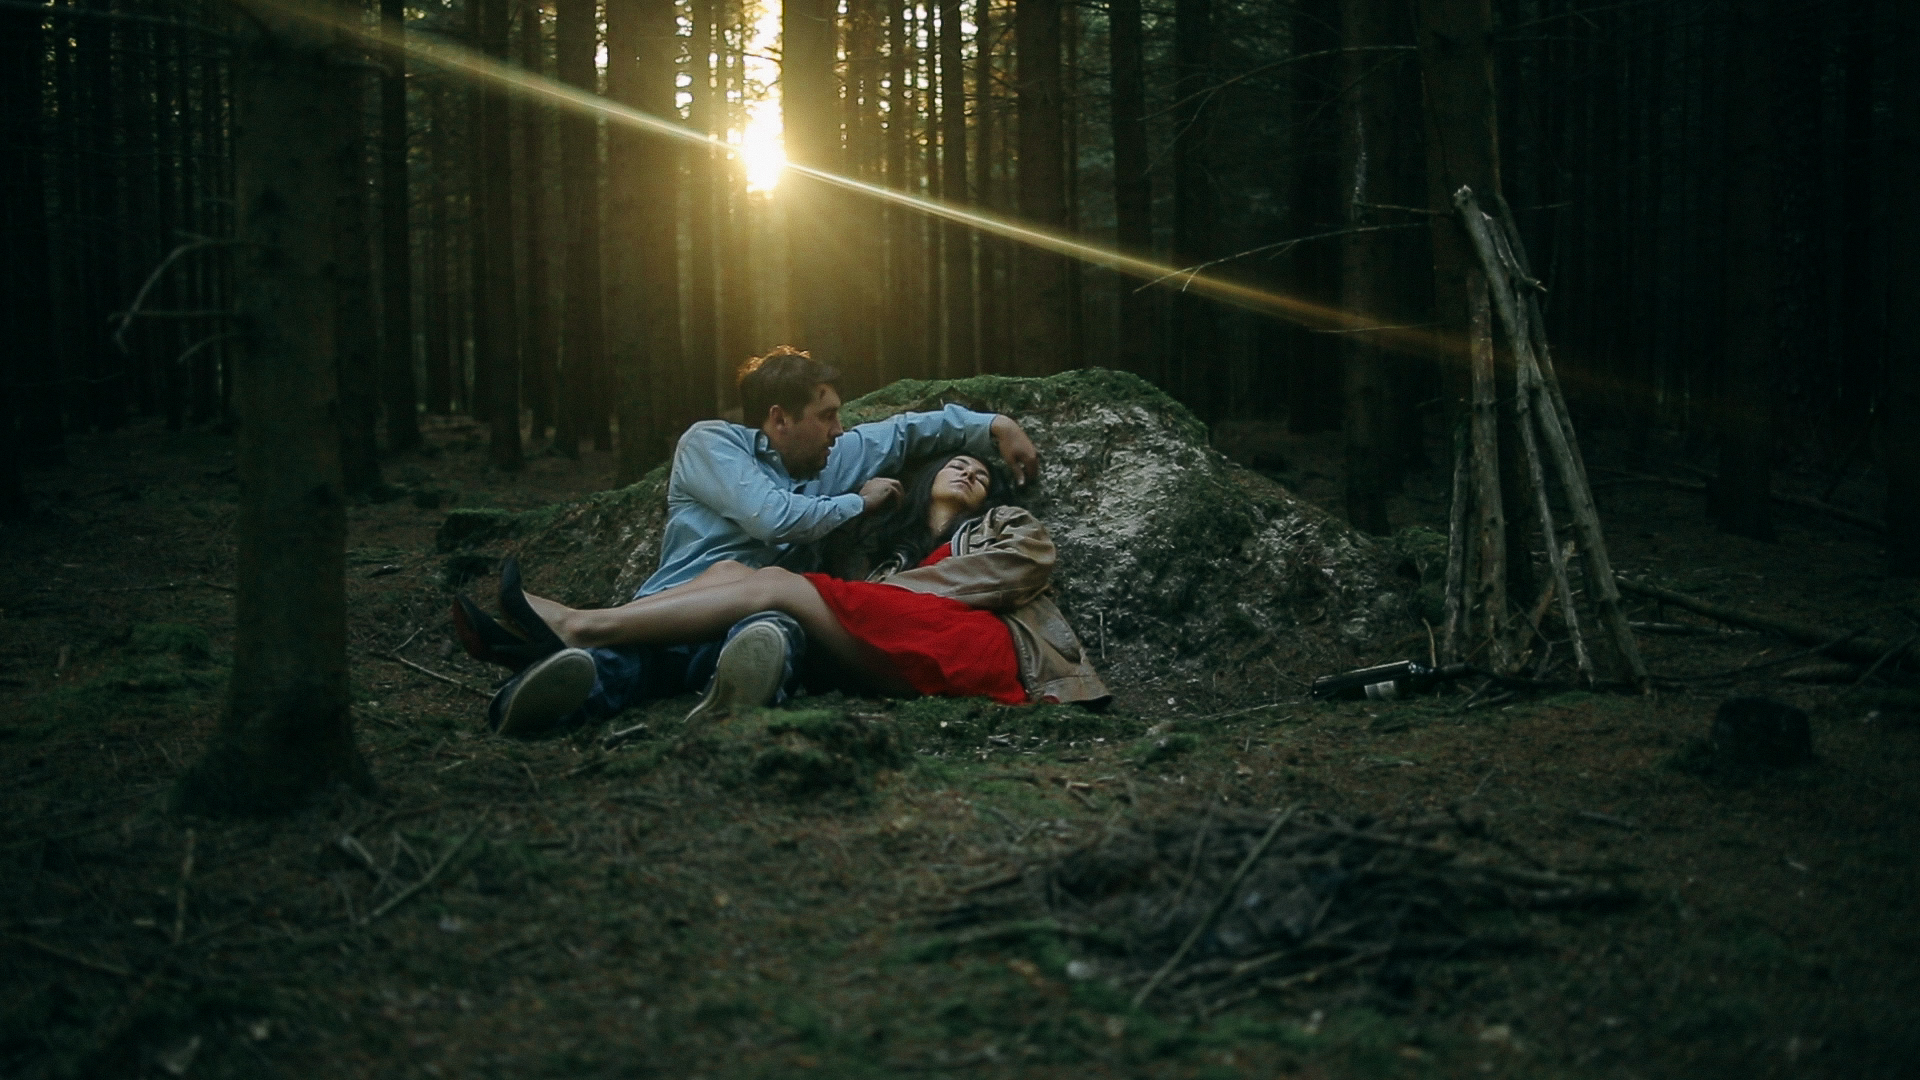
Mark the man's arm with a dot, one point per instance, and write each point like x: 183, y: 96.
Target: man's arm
x: 885, y: 445
x: 715, y: 470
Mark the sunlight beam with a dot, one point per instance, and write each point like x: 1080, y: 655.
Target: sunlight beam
x: 457, y: 58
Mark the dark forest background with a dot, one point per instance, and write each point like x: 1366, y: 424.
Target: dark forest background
x: 1716, y: 194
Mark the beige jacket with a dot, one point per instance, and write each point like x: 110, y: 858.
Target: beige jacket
x: 1003, y: 562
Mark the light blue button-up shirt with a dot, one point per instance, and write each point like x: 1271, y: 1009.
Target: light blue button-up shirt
x: 730, y: 496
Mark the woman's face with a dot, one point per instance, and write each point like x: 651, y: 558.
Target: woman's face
x: 962, y: 483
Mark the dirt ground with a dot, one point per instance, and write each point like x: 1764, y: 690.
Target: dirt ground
x: 673, y: 908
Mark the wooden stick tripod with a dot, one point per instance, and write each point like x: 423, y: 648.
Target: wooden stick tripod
x: 1538, y: 404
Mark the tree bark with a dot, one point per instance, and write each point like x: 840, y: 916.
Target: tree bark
x: 703, y: 301
x: 496, y: 322
x: 1041, y: 326
x: 992, y: 257
x: 1902, y: 228
x: 356, y: 333
x: 1132, y: 187
x: 957, y: 240
x: 807, y: 98
x: 1366, y: 265
x: 583, y: 340
x: 643, y: 256
x: 540, y: 380
x: 26, y: 274
x: 396, y: 244
x: 287, y: 731
x: 1312, y: 269
x: 1745, y: 428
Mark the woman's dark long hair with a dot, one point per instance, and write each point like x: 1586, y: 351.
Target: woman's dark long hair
x: 901, y: 535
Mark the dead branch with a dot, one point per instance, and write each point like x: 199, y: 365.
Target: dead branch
x: 1842, y: 645
x: 407, y: 893
x: 431, y: 674
x: 72, y: 958
x: 1804, y: 502
x: 1219, y: 905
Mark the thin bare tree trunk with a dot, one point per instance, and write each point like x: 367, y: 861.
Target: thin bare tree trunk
x: 1902, y: 157
x: 643, y: 255
x: 1041, y: 326
x: 957, y: 241
x: 396, y: 245
x: 496, y: 329
x: 1132, y: 188
x: 583, y: 337
x: 807, y: 99
x: 1745, y: 428
x: 358, y: 352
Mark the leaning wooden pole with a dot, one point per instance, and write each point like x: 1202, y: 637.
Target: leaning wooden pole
x: 1489, y: 589
x: 1602, y: 588
x: 1456, y: 604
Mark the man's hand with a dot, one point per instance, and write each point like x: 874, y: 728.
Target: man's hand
x: 879, y: 492
x: 1016, y: 450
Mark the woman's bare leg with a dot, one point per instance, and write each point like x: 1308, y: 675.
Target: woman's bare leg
x: 683, y: 615
x: 555, y: 613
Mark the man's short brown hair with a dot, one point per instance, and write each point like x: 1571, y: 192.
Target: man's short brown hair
x: 786, y: 377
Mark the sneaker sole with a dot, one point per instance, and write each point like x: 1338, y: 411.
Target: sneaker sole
x: 547, y: 691
x: 747, y: 674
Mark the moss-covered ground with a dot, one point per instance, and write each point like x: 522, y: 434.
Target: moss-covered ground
x: 772, y: 898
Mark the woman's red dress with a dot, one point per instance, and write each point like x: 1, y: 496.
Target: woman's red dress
x: 938, y: 645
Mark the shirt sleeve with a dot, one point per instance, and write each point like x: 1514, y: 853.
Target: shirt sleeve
x: 881, y: 447
x: 725, y: 477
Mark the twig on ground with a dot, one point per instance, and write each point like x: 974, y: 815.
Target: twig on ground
x: 1897, y: 650
x: 1219, y: 905
x: 431, y: 674
x: 403, y: 895
x: 180, y: 901
x: 72, y: 958
x: 1606, y: 819
x: 396, y: 650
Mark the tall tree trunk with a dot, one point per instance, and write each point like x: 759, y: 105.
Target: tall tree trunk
x: 396, y: 244
x: 1902, y: 227
x: 1313, y: 267
x: 1199, y: 367
x: 1742, y: 494
x: 541, y: 380
x: 26, y: 274
x: 1132, y: 188
x: 736, y: 304
x: 894, y: 322
x: 582, y: 341
x: 356, y: 333
x: 1367, y: 120
x: 438, y: 257
x: 1042, y: 328
x: 496, y: 323
x: 643, y: 255
x: 703, y: 301
x: 1860, y: 326
x: 807, y: 98
x: 957, y: 240
x: 991, y: 250
x: 287, y: 731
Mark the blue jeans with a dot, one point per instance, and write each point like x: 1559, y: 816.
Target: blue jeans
x: 631, y: 674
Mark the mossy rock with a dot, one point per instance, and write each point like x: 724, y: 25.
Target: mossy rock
x: 1170, y: 555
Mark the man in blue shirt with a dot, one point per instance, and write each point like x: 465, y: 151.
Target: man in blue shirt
x: 755, y: 496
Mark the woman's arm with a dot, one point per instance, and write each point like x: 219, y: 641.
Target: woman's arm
x: 1000, y: 563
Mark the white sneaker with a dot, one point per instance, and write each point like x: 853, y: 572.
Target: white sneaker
x: 746, y: 676
x: 530, y: 704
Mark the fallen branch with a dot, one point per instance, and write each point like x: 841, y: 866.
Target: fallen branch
x: 1835, y: 643
x: 432, y: 674
x: 1219, y: 905
x: 1804, y: 502
x: 72, y: 958
x: 407, y: 893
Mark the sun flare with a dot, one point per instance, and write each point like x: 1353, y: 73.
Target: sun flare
x: 762, y: 142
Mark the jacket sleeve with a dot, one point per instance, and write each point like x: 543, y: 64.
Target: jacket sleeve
x: 723, y: 476
x: 1008, y: 562
x: 882, y: 447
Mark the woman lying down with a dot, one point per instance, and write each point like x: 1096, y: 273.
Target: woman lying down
x: 954, y: 602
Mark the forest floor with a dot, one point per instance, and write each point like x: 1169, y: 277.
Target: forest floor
x: 664, y: 909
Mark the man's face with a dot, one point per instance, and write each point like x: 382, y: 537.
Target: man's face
x: 803, y: 441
